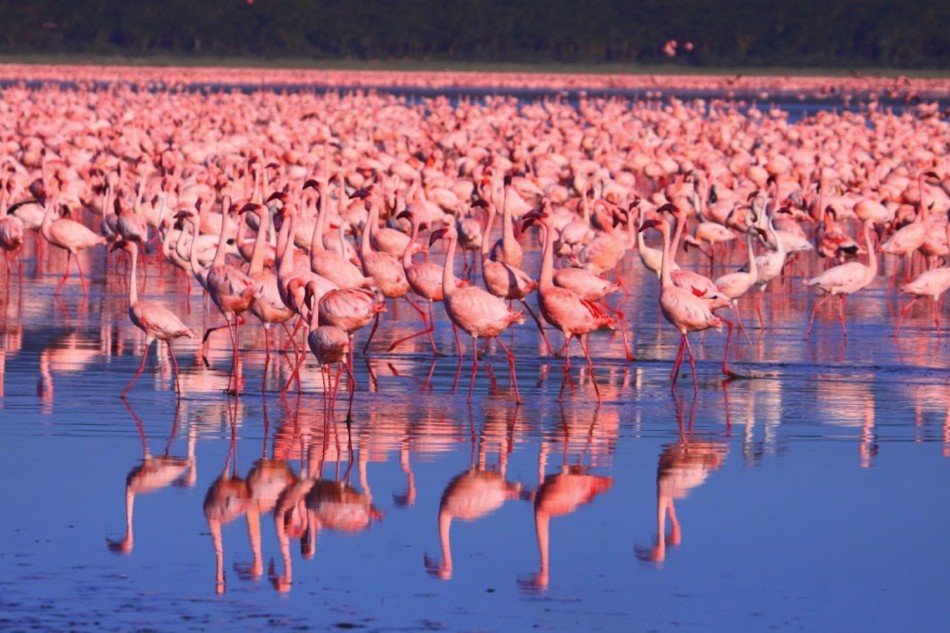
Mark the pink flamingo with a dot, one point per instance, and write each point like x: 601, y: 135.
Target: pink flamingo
x: 474, y: 310
x: 70, y: 235
x: 845, y: 279
x: 564, y: 308
x: 268, y: 306
x: 686, y: 311
x: 425, y: 279
x: 930, y: 283
x: 157, y: 321
x: 11, y: 240
x: 386, y: 270
x: 330, y: 345
x: 233, y: 291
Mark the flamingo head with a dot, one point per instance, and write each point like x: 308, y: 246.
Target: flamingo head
x: 250, y: 206
x: 652, y: 223
x: 438, y: 234
x: 362, y: 193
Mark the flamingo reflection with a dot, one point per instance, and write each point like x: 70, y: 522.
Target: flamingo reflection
x: 559, y: 494
x: 155, y: 473
x: 266, y: 483
x: 471, y: 495
x: 683, y: 465
x: 228, y: 498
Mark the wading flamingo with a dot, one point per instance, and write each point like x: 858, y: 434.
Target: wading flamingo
x: 683, y: 309
x: 157, y: 321
x: 845, y: 279
x: 474, y: 310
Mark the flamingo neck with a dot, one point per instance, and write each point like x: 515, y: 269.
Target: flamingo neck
x: 753, y: 266
x: 546, y: 277
x: 666, y: 259
x: 407, y: 253
x: 133, y: 285
x: 448, y: 275
x: 260, y: 241
x: 486, y: 238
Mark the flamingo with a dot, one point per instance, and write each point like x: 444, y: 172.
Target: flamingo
x: 683, y: 309
x: 70, y: 235
x: 734, y: 285
x: 845, y: 279
x: 474, y: 310
x: 268, y: 306
x: 11, y: 240
x: 157, y: 321
x: 425, y: 279
x: 387, y: 271
x: 564, y: 308
x: 504, y: 279
x: 329, y: 263
x: 233, y: 292
x: 330, y: 345
x: 930, y: 283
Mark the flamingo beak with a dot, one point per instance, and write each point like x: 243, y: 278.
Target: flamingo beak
x: 437, y: 235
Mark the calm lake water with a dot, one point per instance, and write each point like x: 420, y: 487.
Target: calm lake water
x: 810, y: 496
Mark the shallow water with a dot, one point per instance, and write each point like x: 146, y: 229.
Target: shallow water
x: 810, y: 496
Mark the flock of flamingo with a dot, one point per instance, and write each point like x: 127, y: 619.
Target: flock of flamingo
x: 319, y: 212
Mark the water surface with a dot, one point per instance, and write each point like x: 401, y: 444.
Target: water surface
x: 809, y: 496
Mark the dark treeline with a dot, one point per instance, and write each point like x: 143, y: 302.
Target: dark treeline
x: 805, y: 33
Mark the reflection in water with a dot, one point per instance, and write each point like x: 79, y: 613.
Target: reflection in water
x: 227, y: 499
x: 476, y: 492
x: 683, y: 465
x: 559, y: 494
x: 155, y: 473
x: 72, y: 353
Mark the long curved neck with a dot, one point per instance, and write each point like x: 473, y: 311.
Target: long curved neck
x: 371, y: 222
x: 133, y: 285
x: 316, y: 239
x: 285, y: 247
x: 448, y: 274
x: 507, y: 226
x: 546, y: 277
x: 260, y: 241
x: 753, y: 267
x: 872, y: 253
x: 407, y: 253
x: 486, y: 239
x: 221, y: 253
x: 666, y: 261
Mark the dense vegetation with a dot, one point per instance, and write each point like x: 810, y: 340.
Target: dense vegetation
x: 806, y: 33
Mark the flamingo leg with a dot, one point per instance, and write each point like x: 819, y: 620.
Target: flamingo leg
x: 590, y: 364
x: 372, y: 331
x: 758, y: 307
x: 171, y: 354
x: 675, y: 372
x: 936, y: 317
x: 427, y: 325
x: 59, y: 286
x: 692, y: 363
x: 843, y: 299
x: 814, y: 310
x: 148, y: 344
x: 725, y: 356
x: 540, y: 325
x: 904, y: 312
x: 471, y: 382
x: 735, y: 308
x: 511, y: 369
x: 623, y: 330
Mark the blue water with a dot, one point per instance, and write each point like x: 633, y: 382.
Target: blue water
x: 810, y: 496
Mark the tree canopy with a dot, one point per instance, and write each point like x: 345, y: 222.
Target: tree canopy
x: 807, y: 33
